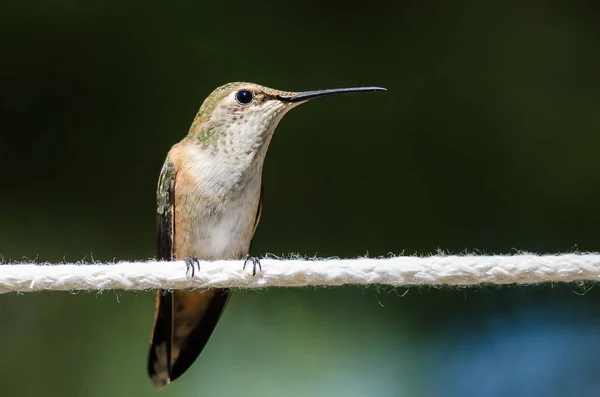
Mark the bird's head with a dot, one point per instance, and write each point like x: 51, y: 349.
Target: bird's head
x: 240, y: 118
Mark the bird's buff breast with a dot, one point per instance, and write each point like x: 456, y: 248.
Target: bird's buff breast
x: 215, y: 211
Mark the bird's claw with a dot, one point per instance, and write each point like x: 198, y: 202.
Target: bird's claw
x: 255, y: 262
x: 191, y: 264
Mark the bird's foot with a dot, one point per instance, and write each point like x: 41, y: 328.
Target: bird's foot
x: 255, y: 263
x: 191, y: 264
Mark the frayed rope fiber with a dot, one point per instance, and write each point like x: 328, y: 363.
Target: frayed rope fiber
x: 397, y: 271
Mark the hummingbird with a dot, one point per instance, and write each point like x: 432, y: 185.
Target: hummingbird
x: 209, y: 202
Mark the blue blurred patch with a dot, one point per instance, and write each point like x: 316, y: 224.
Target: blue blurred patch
x: 549, y: 351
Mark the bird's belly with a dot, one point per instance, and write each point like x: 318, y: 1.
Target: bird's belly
x: 219, y: 233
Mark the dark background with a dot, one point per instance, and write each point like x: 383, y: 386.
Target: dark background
x: 486, y: 141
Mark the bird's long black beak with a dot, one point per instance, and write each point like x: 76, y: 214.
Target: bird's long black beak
x: 306, y: 95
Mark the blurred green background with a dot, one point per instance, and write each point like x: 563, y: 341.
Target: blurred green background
x: 486, y: 140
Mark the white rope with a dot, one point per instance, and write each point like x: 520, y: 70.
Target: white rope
x: 393, y: 271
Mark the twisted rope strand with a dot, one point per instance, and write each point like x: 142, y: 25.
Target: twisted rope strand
x: 397, y: 271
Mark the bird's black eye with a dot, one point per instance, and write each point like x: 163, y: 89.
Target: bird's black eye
x: 244, y: 97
